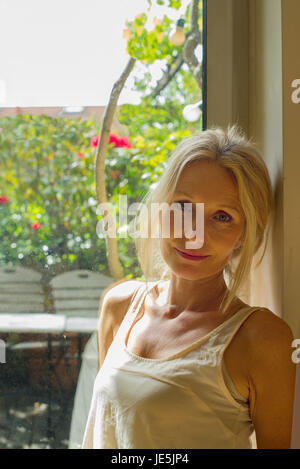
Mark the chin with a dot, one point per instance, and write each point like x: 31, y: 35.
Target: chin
x: 188, y: 271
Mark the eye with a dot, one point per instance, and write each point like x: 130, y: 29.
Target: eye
x: 224, y: 214
x: 225, y: 217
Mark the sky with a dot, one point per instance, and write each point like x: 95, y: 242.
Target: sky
x: 67, y: 52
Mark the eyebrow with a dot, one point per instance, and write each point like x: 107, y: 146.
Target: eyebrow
x: 221, y: 204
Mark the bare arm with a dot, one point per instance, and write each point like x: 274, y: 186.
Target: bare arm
x: 271, y: 381
x: 114, y: 303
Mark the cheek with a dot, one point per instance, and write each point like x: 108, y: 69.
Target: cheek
x: 166, y: 250
x: 223, y: 236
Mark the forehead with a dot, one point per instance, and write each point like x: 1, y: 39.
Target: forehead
x: 209, y: 180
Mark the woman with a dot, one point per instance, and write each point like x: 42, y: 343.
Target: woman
x: 184, y: 362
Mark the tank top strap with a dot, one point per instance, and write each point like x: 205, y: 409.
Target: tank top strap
x: 135, y: 304
x: 137, y: 299
x: 230, y: 328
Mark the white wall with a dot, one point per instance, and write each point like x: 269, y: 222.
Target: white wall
x: 245, y: 86
x: 291, y: 165
x: 265, y: 125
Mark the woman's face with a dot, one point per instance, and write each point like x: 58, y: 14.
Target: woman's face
x: 215, y: 187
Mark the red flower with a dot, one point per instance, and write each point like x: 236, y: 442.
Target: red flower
x: 115, y: 174
x: 3, y: 199
x: 36, y: 226
x: 119, y: 141
x: 80, y: 155
x: 94, y: 142
x: 124, y: 142
x: 113, y: 138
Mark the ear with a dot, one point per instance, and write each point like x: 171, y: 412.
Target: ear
x: 239, y: 242
x: 237, y: 245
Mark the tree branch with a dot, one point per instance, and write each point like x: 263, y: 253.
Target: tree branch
x: 192, y: 42
x: 167, y: 77
x: 105, y: 131
x: 193, y: 39
x: 194, y: 15
x: 111, y: 243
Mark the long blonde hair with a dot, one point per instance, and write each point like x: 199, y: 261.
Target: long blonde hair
x: 233, y: 151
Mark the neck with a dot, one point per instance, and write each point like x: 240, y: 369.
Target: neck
x: 195, y: 295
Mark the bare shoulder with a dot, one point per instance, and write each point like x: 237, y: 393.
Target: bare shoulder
x: 262, y: 345
x: 121, y: 291
x: 266, y: 337
x: 117, y: 297
x: 270, y: 377
x: 114, y: 303
x: 264, y: 325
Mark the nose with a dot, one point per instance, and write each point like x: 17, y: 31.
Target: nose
x: 194, y: 228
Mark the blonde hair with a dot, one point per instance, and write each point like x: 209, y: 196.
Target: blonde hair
x: 233, y: 151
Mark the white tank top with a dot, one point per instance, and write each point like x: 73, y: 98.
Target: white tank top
x: 185, y: 401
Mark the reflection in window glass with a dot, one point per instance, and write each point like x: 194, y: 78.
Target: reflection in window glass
x: 54, y: 266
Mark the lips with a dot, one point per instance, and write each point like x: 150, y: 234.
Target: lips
x: 192, y: 256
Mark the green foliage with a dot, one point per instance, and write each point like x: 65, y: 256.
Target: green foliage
x: 158, y: 125
x: 154, y: 44
x: 148, y: 46
x: 47, y: 174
